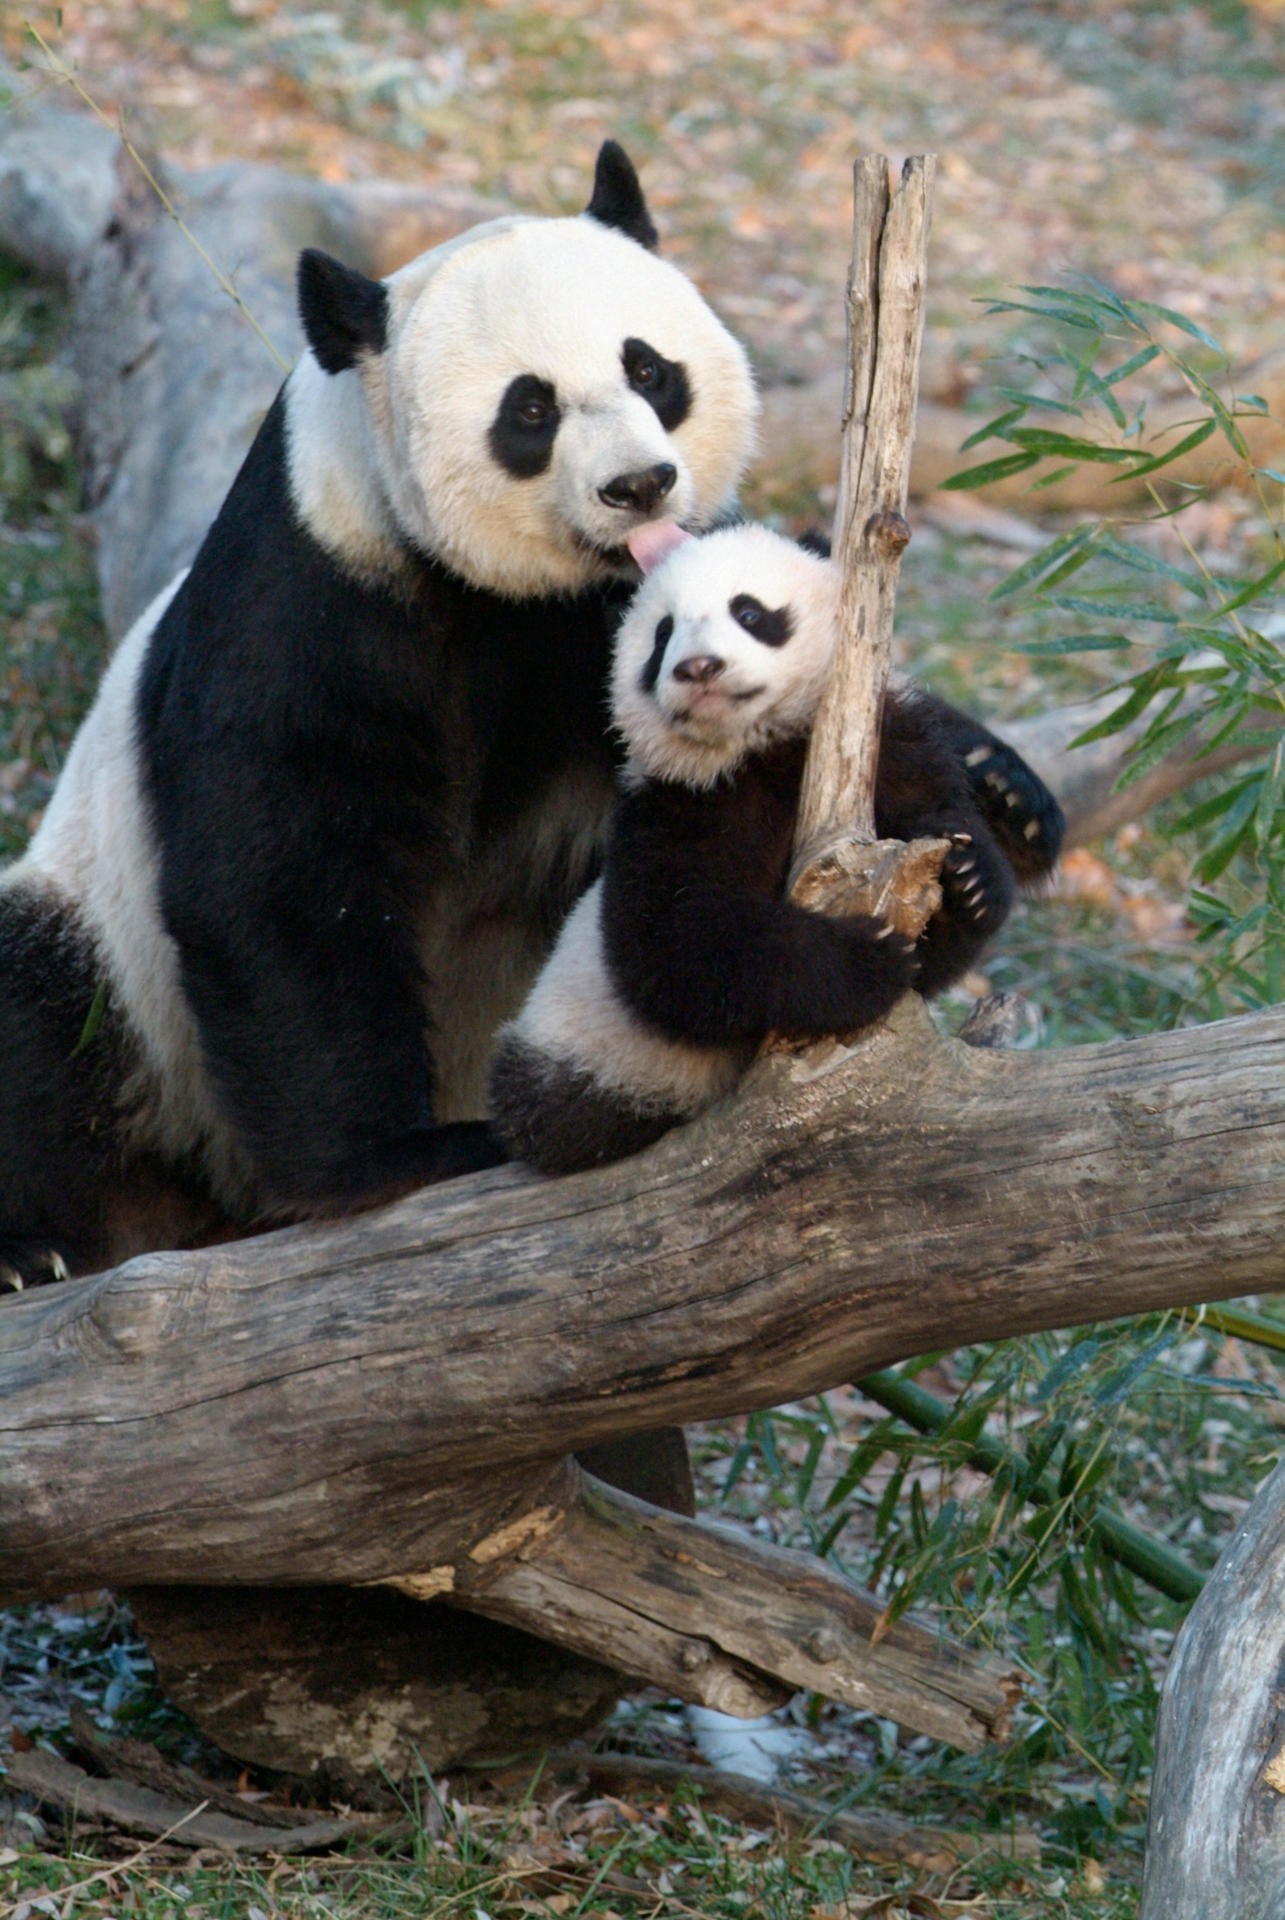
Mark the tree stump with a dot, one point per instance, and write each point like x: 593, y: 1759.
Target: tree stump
x: 1216, y: 1835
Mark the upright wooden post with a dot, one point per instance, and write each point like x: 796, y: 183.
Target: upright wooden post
x: 837, y: 864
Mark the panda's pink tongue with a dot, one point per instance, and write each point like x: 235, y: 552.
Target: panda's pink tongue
x: 649, y: 544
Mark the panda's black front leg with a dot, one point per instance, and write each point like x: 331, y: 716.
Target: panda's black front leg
x: 923, y: 791
x: 977, y: 892
x: 1016, y: 805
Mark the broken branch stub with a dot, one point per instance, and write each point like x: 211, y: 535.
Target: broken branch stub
x: 721, y: 1618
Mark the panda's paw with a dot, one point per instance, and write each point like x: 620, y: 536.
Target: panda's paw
x: 976, y: 883
x: 1017, y: 806
x: 977, y: 890
x: 30, y: 1263
x: 886, y: 966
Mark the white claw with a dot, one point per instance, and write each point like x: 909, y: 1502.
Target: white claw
x: 58, y: 1267
x: 993, y: 780
x: 960, y: 839
x: 976, y: 756
x: 11, y: 1278
x: 964, y: 866
x: 885, y: 933
x: 1031, y: 831
x: 1011, y: 799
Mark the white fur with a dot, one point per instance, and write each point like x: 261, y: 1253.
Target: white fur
x: 574, y: 1016
x: 395, y: 450
x: 694, y: 735
x: 95, y: 853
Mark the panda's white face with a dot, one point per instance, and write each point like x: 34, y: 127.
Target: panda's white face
x: 546, y: 387
x: 726, y: 648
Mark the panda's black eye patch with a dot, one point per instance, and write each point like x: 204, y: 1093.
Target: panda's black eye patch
x: 525, y: 426
x: 771, y: 625
x: 651, y: 672
x: 662, y: 383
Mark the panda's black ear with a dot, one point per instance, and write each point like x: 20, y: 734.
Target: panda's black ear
x: 344, y: 314
x: 618, y: 198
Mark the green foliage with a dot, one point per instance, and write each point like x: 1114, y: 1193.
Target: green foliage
x: 1201, y: 649
x: 1003, y: 1525
x: 51, y: 640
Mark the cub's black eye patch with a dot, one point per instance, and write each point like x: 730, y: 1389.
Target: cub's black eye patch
x: 525, y: 426
x: 772, y: 625
x: 651, y: 672
x: 662, y: 383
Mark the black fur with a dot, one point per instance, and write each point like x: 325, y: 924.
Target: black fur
x: 1020, y: 811
x: 662, y: 383
x: 560, y: 1121
x: 617, y: 198
x: 320, y: 755
x: 702, y: 945
x: 771, y: 626
x: 651, y: 671
x: 64, y: 1059
x: 525, y: 426
x: 344, y: 314
x: 1023, y: 815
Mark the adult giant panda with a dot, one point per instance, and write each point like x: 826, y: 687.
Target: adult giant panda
x: 685, y: 954
x: 345, y: 779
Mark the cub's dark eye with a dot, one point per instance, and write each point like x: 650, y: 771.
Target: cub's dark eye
x: 770, y: 625
x: 662, y: 383
x: 525, y: 426
x: 661, y: 638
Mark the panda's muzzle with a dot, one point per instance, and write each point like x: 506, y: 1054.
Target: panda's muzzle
x: 640, y: 492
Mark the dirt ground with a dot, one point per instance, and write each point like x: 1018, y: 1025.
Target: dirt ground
x: 1144, y: 144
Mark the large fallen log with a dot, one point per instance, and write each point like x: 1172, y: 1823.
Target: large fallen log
x: 373, y: 1398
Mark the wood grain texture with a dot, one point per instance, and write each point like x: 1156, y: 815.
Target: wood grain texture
x: 372, y: 1397
x: 885, y: 308
x: 1216, y: 1835
x: 708, y: 1611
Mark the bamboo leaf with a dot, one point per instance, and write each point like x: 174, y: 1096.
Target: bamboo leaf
x: 1120, y: 716
x: 1071, y: 543
x: 1134, y: 364
x: 1066, y: 446
x: 1075, y: 643
x: 1180, y: 321
x: 989, y: 471
x: 1196, y: 438
x: 994, y: 426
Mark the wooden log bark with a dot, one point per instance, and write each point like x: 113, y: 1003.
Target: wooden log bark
x: 372, y: 1397
x: 1216, y: 1833
x: 706, y: 1612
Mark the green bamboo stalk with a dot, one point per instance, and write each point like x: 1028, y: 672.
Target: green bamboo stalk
x: 1144, y: 1555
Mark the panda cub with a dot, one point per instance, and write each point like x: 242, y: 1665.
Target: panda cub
x: 685, y: 954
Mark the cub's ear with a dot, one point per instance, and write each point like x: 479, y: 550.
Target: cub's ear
x: 618, y: 198
x: 344, y: 314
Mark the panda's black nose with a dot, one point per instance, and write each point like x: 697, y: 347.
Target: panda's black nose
x: 641, y: 491
x: 699, y: 668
